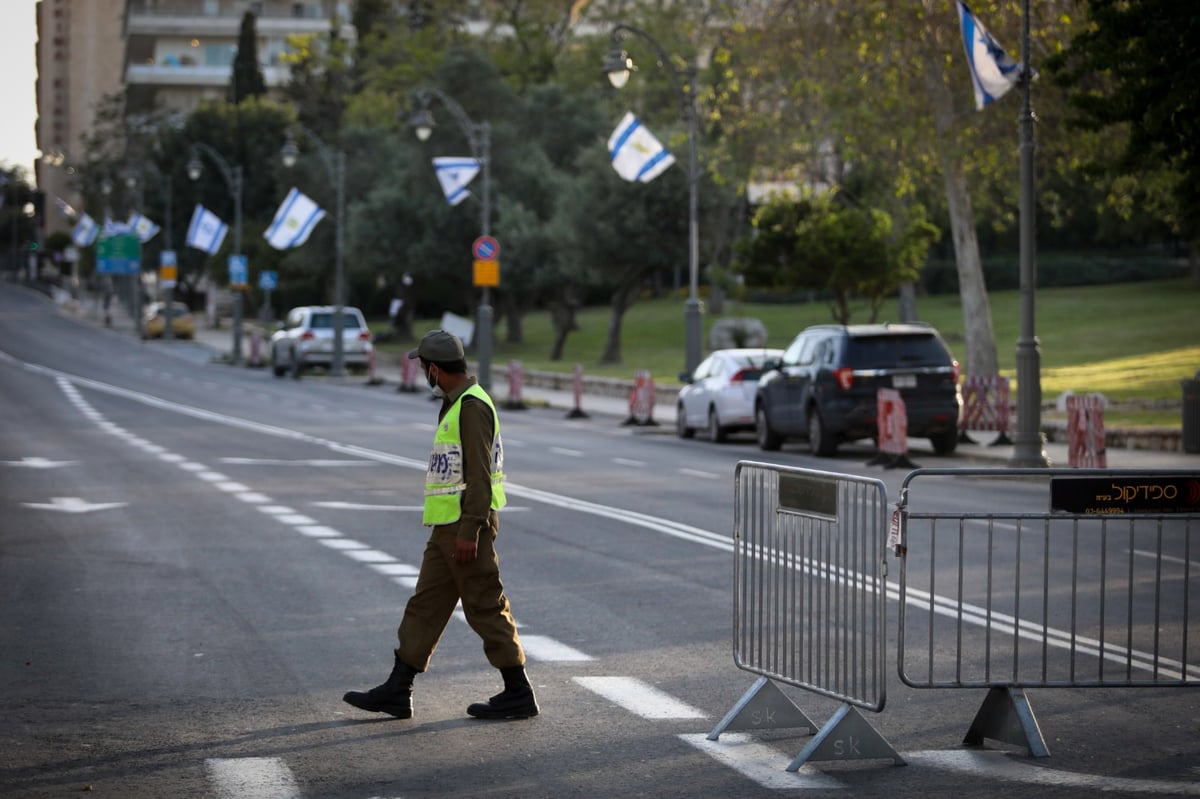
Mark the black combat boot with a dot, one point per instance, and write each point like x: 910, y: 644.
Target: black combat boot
x: 393, y: 697
x: 516, y: 701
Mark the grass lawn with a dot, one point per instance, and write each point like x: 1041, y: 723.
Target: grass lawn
x: 1128, y: 341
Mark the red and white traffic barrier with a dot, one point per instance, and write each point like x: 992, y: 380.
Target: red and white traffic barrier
x: 409, y: 369
x: 641, y: 399
x: 577, y: 387
x: 372, y: 378
x: 516, y: 381
x: 891, y: 417
x: 1085, y: 432
x: 985, y: 407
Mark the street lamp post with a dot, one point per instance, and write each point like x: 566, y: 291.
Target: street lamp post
x: 479, y: 138
x: 1029, y: 443
x: 618, y: 66
x: 335, y: 166
x: 233, y: 182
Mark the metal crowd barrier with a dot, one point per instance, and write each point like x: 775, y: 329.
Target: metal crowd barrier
x: 1099, y: 587
x: 809, y: 604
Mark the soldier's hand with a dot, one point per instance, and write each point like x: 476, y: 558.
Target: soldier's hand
x: 465, y: 551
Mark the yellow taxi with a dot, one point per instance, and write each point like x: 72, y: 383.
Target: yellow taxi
x: 183, y: 324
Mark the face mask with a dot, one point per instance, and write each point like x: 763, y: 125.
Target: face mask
x: 437, y: 390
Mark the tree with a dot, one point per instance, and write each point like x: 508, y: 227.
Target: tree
x: 819, y: 86
x: 1124, y: 72
x: 845, y: 252
x: 247, y: 78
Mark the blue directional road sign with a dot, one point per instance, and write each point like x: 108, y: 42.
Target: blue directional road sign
x: 238, y: 271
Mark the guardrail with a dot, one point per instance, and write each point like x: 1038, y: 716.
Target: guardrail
x: 809, y: 604
x: 1099, y: 588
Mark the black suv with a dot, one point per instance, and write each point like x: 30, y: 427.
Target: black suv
x: 824, y: 387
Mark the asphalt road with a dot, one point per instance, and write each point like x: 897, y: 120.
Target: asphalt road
x: 196, y: 561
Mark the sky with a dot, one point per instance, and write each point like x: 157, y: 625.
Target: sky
x: 18, y: 101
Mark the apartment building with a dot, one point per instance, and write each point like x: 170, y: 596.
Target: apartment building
x: 168, y: 55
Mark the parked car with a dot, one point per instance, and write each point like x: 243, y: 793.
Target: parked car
x: 305, y: 339
x: 824, y: 387
x: 154, y: 320
x: 719, y: 394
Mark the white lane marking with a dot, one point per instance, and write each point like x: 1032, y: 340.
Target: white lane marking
x: 338, y: 505
x: 251, y: 778
x: 73, y: 505
x: 639, y: 698
x: 318, y: 531
x: 700, y: 474
x: 212, y: 477
x: 628, y: 462
x: 253, y: 497
x: 233, y: 488
x: 295, y: 519
x: 572, y: 453
x: 301, y: 462
x: 342, y: 543
x: 39, y: 463
x: 1000, y: 766
x: 406, y: 582
x: 540, y: 647
x: 1192, y: 564
x: 395, y: 569
x: 761, y: 763
x: 276, y: 510
x: 369, y: 556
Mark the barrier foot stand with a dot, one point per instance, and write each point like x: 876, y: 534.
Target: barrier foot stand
x: 763, y: 707
x: 847, y: 736
x: 1007, y: 716
x: 1002, y: 440
x: 963, y: 438
x: 577, y: 413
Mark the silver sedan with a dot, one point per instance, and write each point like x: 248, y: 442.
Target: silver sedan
x: 719, y: 394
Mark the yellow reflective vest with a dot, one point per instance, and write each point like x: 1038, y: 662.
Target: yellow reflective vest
x: 444, y: 480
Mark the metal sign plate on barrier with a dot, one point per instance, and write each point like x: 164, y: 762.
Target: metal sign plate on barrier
x: 814, y: 496
x: 1125, y: 494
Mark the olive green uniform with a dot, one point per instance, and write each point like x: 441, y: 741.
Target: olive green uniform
x: 442, y: 581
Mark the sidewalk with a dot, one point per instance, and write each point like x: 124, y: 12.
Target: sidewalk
x: 217, y: 344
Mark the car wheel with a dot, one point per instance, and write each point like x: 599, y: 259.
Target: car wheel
x: 944, y: 443
x: 768, y: 439
x: 277, y: 368
x: 716, y: 433
x: 820, y: 442
x: 681, y: 425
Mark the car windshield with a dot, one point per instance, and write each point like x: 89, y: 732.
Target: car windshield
x: 889, y: 352
x: 324, y: 321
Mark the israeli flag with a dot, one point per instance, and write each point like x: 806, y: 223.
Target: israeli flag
x: 635, y: 153
x: 454, y: 174
x: 142, y: 227
x: 85, y: 232
x: 294, y: 221
x: 206, y: 231
x: 993, y: 72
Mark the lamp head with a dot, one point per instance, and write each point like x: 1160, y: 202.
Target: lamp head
x: 422, y: 123
x: 618, y: 66
x: 194, y: 167
x: 290, y: 151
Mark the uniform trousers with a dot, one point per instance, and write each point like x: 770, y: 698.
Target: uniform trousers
x: 440, y: 586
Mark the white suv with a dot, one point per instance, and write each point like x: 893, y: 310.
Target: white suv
x: 306, y: 339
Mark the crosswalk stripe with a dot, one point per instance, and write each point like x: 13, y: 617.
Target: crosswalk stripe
x: 545, y: 648
x: 251, y: 778
x: 640, y: 698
